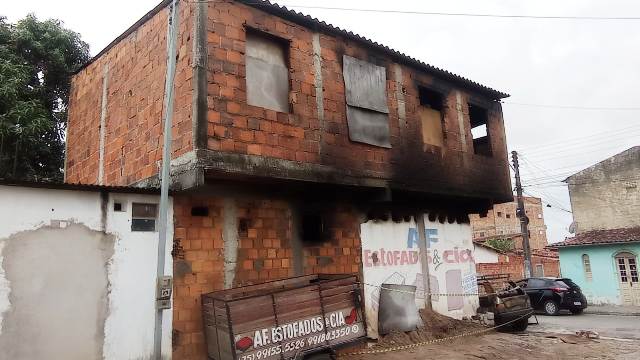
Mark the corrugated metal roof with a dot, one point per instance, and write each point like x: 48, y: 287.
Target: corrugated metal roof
x: 322, y: 26
x: 79, y: 187
x: 314, y: 23
x: 602, y: 237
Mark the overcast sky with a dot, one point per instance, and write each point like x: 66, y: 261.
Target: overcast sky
x: 570, y: 66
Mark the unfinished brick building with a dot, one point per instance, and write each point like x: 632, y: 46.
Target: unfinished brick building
x: 288, y: 134
x: 501, y: 222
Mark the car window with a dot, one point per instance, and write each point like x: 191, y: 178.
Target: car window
x: 522, y: 284
x: 536, y: 283
x: 566, y: 283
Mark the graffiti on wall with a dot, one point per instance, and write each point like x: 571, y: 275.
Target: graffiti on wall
x: 391, y: 255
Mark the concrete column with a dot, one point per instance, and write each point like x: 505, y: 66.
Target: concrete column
x: 402, y: 111
x: 103, y: 123
x: 460, y: 111
x: 296, y: 241
x: 317, y: 67
x: 230, y: 238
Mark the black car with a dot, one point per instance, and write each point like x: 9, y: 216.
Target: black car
x: 554, y: 294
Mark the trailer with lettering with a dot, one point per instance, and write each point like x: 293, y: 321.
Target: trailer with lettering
x: 285, y: 319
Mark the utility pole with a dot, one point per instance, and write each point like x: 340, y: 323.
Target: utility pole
x: 172, y: 33
x: 423, y: 246
x: 522, y: 215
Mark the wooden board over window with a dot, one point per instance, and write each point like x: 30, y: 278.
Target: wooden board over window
x: 431, y: 121
x: 366, y: 96
x: 267, y: 72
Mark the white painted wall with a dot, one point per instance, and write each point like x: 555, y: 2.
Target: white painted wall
x: 451, y: 265
x: 130, y: 321
x: 485, y: 256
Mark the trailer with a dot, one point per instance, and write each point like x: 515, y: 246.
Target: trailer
x: 285, y: 319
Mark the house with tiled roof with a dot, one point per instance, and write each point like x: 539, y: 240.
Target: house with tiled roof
x: 602, y: 257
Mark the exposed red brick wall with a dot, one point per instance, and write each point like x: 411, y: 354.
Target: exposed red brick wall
x: 514, y: 266
x: 236, y: 127
x: 136, y: 80
x: 496, y: 223
x: 264, y: 253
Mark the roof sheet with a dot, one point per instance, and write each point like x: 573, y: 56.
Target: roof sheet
x: 601, y: 237
x: 79, y: 187
x: 318, y: 25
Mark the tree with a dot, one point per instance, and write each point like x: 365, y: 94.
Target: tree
x: 37, y: 59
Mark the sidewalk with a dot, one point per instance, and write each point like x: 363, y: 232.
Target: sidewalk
x: 613, y: 310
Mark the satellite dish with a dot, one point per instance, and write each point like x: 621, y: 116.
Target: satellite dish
x: 572, y: 228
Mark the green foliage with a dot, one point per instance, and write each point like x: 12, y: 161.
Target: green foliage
x: 37, y: 59
x: 501, y: 244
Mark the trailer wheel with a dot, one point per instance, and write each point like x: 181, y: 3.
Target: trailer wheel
x: 520, y: 325
x: 319, y: 356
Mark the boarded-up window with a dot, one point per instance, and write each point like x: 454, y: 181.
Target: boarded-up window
x: 479, y: 118
x: 430, y: 113
x: 366, y: 95
x: 267, y: 72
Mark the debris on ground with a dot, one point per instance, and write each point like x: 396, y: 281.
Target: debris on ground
x: 505, y: 346
x: 436, y: 326
x: 588, y: 334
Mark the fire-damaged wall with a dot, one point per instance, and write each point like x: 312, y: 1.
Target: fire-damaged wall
x: 76, y: 280
x: 226, y: 239
x: 264, y: 92
x: 391, y: 254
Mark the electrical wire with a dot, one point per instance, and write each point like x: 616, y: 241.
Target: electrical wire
x: 544, y: 147
x: 463, y: 14
x: 573, y: 107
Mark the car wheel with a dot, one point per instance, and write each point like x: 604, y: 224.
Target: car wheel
x: 520, y: 325
x: 551, y: 307
x: 576, y: 311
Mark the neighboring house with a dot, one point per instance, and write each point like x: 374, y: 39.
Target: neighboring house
x: 602, y: 258
x: 78, y: 272
x: 297, y: 148
x: 501, y: 222
x: 491, y: 261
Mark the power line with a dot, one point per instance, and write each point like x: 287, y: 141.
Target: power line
x: 574, y: 107
x: 461, y: 14
x: 580, y: 139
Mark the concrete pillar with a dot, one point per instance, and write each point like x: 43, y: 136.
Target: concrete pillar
x: 230, y: 238
x: 103, y: 123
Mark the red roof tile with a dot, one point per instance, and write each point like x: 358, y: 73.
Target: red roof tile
x: 595, y: 237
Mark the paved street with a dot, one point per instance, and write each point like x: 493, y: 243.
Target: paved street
x: 615, y: 326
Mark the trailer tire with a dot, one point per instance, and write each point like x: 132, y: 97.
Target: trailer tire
x: 319, y: 356
x: 520, y: 325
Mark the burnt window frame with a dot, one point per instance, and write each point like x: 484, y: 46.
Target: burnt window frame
x: 424, y: 91
x: 475, y: 121
x: 286, y: 46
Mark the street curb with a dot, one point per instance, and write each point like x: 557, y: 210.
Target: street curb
x: 611, y: 313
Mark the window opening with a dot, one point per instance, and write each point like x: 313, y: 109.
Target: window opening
x: 479, y: 118
x: 143, y: 217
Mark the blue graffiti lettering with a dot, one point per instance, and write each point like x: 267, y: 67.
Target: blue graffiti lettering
x: 430, y: 234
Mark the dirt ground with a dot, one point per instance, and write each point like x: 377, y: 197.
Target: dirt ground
x: 492, y: 345
x: 514, y: 346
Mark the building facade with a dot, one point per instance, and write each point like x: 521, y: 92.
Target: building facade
x: 602, y: 257
x: 292, y: 139
x: 78, y: 272
x: 490, y: 261
x: 501, y: 222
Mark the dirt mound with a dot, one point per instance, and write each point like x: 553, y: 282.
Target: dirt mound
x: 436, y: 326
